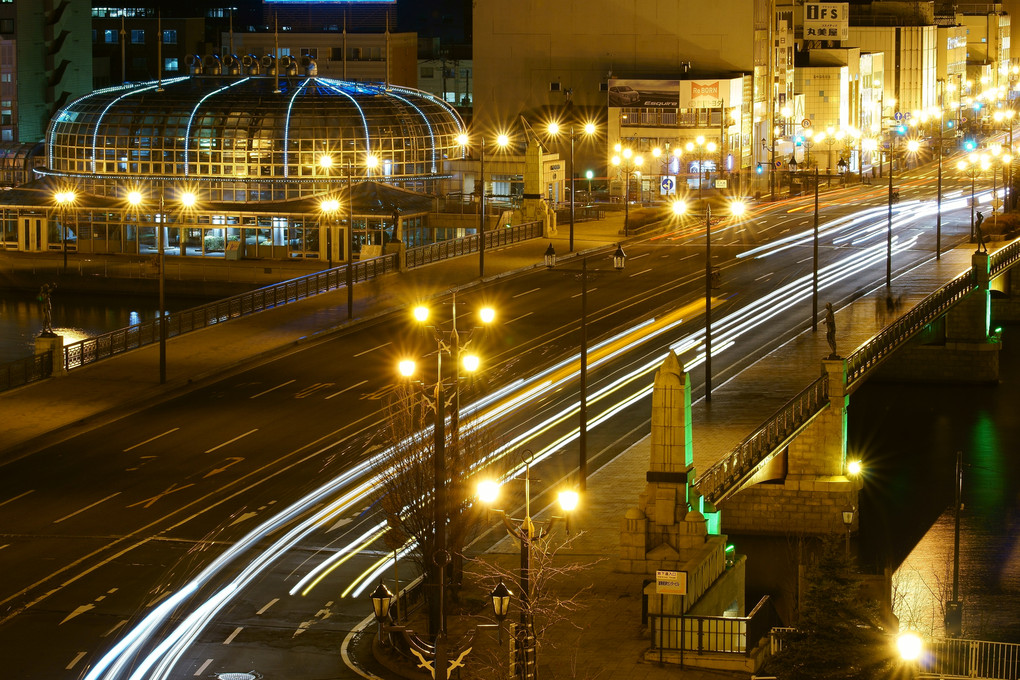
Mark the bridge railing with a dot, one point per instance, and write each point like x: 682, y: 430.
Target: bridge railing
x: 721, y: 479
x: 1004, y: 258
x: 970, y: 659
x: 23, y: 371
x: 886, y: 341
x: 494, y: 238
x: 103, y: 346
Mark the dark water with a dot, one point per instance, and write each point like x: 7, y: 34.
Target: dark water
x: 75, y: 316
x: 908, y: 436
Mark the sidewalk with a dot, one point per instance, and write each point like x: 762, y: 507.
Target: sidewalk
x: 48, y: 411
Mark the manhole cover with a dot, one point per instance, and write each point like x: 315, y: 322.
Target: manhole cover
x: 239, y: 676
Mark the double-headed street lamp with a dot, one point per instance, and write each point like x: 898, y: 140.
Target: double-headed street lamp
x: 528, y: 533
x: 589, y: 131
x: 737, y: 209
x: 1005, y: 117
x: 701, y: 148
x: 502, y: 141
x: 628, y: 162
x: 973, y: 165
x: 187, y: 202
x: 619, y: 258
x: 448, y: 343
x: 331, y: 206
x: 65, y: 201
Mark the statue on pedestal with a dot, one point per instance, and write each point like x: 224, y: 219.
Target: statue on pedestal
x: 45, y: 295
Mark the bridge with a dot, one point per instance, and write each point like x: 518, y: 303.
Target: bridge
x: 801, y: 448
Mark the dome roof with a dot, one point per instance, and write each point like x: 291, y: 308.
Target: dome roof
x: 252, y: 128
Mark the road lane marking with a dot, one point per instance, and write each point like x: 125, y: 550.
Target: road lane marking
x: 385, y: 344
x: 267, y: 606
x: 312, y: 389
x: 20, y: 495
x: 230, y: 638
x: 115, y: 628
x: 240, y: 436
x: 637, y: 257
x: 215, y: 471
x: 643, y: 271
x: 590, y: 291
x: 518, y: 318
x: 74, y: 661
x: 271, y: 389
x: 527, y: 292
x: 805, y: 260
x: 80, y: 610
x: 764, y: 276
x: 87, y: 507
x: 336, y: 394
x: 151, y: 439
x: 201, y: 669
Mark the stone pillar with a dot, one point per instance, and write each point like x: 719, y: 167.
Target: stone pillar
x: 54, y: 344
x: 533, y: 206
x: 970, y: 319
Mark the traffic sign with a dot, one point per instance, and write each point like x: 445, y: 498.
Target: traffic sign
x: 720, y: 184
x: 779, y: 164
x: 805, y: 123
x: 667, y: 185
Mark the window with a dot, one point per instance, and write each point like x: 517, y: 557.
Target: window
x: 95, y: 36
x: 137, y: 36
x: 554, y: 87
x: 5, y: 77
x: 284, y: 52
x: 427, y: 72
x: 7, y: 135
x: 6, y: 25
x: 603, y: 87
x: 336, y: 54
x: 170, y: 65
x: 110, y: 36
x: 170, y: 36
x: 311, y: 52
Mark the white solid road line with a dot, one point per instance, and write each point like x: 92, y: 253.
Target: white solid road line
x: 518, y: 318
x: 151, y: 439
x: 643, y: 271
x: 336, y: 394
x: 58, y: 521
x: 764, y: 276
x: 527, y: 292
x: 271, y: 389
x: 20, y: 495
x: 240, y: 436
x: 385, y: 344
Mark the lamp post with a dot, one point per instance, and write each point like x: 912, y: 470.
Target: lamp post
x: 888, y: 224
x: 848, y: 522
x: 628, y: 163
x: 440, y: 658
x: 528, y: 533
x: 589, y: 130
x: 589, y: 175
x: 737, y: 208
x: 65, y: 200
x: 446, y: 343
x: 1006, y: 116
x: 700, y: 147
x: 619, y: 258
x: 502, y: 141
x: 972, y: 166
x: 187, y: 201
x: 329, y: 207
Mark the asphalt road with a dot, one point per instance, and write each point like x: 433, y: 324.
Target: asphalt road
x: 100, y: 530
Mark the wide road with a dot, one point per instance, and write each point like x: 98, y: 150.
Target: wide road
x: 102, y: 530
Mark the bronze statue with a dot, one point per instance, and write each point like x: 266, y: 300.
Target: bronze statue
x: 45, y: 294
x: 830, y: 330
x: 979, y: 234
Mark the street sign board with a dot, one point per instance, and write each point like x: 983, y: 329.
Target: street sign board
x: 779, y: 164
x: 826, y: 21
x: 805, y: 123
x: 667, y: 186
x: 670, y: 582
x: 720, y: 184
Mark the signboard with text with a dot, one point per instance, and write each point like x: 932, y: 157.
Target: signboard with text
x: 711, y: 94
x: 826, y: 21
x: 670, y: 582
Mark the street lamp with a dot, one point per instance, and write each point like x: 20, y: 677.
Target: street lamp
x: 737, y: 209
x: 329, y: 207
x: 527, y: 532
x: 187, y: 202
x: 892, y: 193
x: 589, y: 175
x: 332, y: 207
x: 619, y: 258
x: 65, y: 200
x: 628, y: 163
x: 1006, y: 116
x: 589, y: 130
x: 449, y: 344
x: 700, y: 147
x: 848, y: 521
x: 973, y: 165
x: 502, y: 141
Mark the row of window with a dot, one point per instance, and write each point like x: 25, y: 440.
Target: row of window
x: 111, y: 36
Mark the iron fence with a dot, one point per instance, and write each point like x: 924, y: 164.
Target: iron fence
x: 1004, y: 258
x: 720, y: 480
x: 716, y: 634
x: 494, y: 238
x: 970, y: 659
x: 110, y: 344
x: 26, y: 370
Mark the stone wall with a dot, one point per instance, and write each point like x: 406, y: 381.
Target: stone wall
x: 954, y: 362
x: 797, y: 506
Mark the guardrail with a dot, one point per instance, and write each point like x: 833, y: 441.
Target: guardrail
x: 23, y: 371
x: 110, y: 344
x: 494, y: 238
x: 720, y: 480
x: 970, y: 659
x: 1004, y: 258
x: 716, y: 634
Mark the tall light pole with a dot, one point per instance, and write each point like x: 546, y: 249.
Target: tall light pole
x: 628, y: 163
x: 888, y: 224
x: 619, y: 258
x: 972, y: 166
x: 502, y: 140
x: 65, y: 201
x: 349, y: 255
x: 446, y: 343
x: 589, y: 130
x: 737, y: 209
x: 328, y: 208
x: 701, y: 147
x: 814, y: 259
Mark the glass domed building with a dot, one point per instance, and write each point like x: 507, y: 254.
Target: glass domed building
x: 237, y: 154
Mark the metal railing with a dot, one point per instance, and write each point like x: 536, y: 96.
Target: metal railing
x: 116, y: 342
x: 1004, y: 258
x: 494, y: 238
x: 26, y: 370
x: 716, y: 634
x: 970, y: 659
x: 720, y: 480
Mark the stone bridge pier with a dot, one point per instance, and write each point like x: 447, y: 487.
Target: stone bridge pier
x: 804, y: 487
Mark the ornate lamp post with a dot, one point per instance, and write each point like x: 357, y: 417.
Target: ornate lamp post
x: 589, y: 130
x: 628, y: 163
x: 972, y: 166
x: 619, y: 258
x: 701, y: 148
x: 65, y: 201
x: 502, y: 141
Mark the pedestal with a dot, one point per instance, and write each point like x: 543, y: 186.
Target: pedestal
x: 53, y: 343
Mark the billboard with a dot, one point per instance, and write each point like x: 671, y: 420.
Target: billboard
x: 826, y: 21
x: 646, y: 94
x: 711, y: 94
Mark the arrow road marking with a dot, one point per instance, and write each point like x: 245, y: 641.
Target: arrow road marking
x: 218, y: 470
